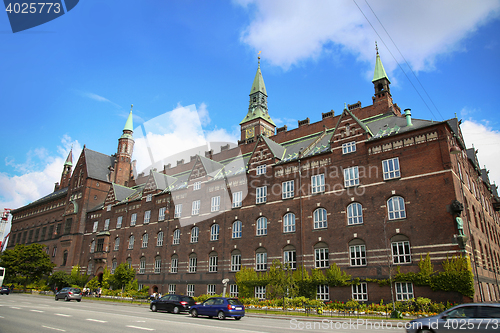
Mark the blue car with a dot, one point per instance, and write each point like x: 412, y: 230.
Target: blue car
x: 220, y: 307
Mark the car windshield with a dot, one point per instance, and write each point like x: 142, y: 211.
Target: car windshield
x: 75, y: 290
x: 234, y: 301
x: 187, y: 299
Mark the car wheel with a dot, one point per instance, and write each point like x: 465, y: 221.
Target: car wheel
x: 221, y: 315
x: 194, y: 313
x: 153, y: 308
x: 176, y: 310
x: 66, y: 299
x: 425, y: 330
x: 78, y: 300
x: 57, y: 298
x: 237, y: 318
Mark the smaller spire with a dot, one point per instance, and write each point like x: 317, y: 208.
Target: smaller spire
x: 129, y: 125
x: 69, y: 159
x: 379, y: 72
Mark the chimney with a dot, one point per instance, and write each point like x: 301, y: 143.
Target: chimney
x: 408, y: 117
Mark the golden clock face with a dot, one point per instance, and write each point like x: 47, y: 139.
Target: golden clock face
x: 250, y: 132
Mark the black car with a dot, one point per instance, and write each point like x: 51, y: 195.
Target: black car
x: 69, y: 293
x: 4, y: 291
x: 172, y: 303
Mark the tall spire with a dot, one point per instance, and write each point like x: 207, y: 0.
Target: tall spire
x: 129, y: 125
x: 379, y: 68
x: 258, y: 81
x: 69, y: 159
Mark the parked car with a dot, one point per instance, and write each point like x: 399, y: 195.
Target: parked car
x: 4, y: 290
x: 221, y: 307
x: 472, y: 317
x: 172, y: 303
x: 69, y: 293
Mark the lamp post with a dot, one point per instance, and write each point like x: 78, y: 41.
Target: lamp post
x: 224, y: 282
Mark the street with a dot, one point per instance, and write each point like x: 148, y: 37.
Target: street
x: 34, y: 313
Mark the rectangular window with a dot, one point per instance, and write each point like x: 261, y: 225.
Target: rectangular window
x: 196, y: 186
x: 290, y: 258
x: 42, y: 236
x: 142, y: 266
x: 318, y: 183
x: 351, y: 176
x: 113, y: 266
x: 54, y: 251
x: 49, y: 236
x: 157, y: 265
x: 147, y: 216
x: 235, y: 262
x: 261, y: 169
x: 211, y: 289
x: 37, y: 231
x: 190, y: 290
x: 159, y: 239
x: 131, y: 242
x: 401, y: 252
x: 359, y: 292
x: 261, y: 261
x: 96, y: 224
x: 349, y: 147
x: 260, y: 292
x: 174, y: 265
x: 67, y: 227
x: 171, y: 288
x: 161, y: 213
x: 237, y: 199
x: 404, y: 291
x: 119, y: 222
x: 261, y: 194
x: 108, y: 208
x: 145, y: 241
x: 358, y: 255
x: 178, y: 211
x: 287, y: 190
x: 233, y: 290
x: 193, y: 261
x: 215, y: 204
x: 195, y: 207
x: 177, y: 237
x: 106, y: 224
x: 391, y: 168
x: 133, y: 219
x: 321, y: 258
x: 117, y: 244
x: 149, y: 197
x: 323, y: 292
x: 100, y: 245
x: 212, y: 263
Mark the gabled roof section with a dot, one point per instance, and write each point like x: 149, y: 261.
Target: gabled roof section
x: 455, y: 127
x: 118, y: 193
x: 158, y: 181
x: 276, y: 149
x: 471, y: 154
x: 389, y: 124
x: 348, y: 114
x: 486, y: 178
x: 205, y: 167
x: 98, y: 165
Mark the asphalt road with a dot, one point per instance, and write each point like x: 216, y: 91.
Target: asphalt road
x: 33, y: 313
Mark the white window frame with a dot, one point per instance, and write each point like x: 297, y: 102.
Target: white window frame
x: 96, y: 225
x: 142, y: 266
x: 236, y: 229
x: 233, y: 290
x: 211, y: 288
x: 133, y: 219
x: 190, y: 290
x: 401, y: 252
x: 290, y: 258
x: 261, y: 261
x: 157, y: 265
x: 404, y: 291
x: 214, y: 232
x: 323, y: 292
x: 320, y: 218
x: 92, y: 246
x: 213, y: 263
x: 178, y: 211
x: 145, y: 241
x: 261, y: 194
x: 196, y: 186
x: 321, y: 258
x: 396, y: 208
x: 131, y: 241
x: 235, y: 262
x: 161, y: 213
x: 176, y: 238
x: 119, y: 221
x: 195, y: 232
x: 106, y: 224
x: 360, y: 291
x: 114, y: 263
x: 215, y: 204
x: 174, y: 265
x: 357, y: 255
x: 287, y: 189
x: 391, y: 168
x: 289, y: 222
x: 261, y: 226
x: 195, y: 207
x: 260, y: 292
x: 193, y: 262
x: 354, y: 213
x: 159, y: 238
x: 351, y: 176
x: 117, y: 244
x: 349, y: 147
x: 261, y: 169
x: 237, y: 199
x: 149, y: 197
x: 318, y: 183
x: 172, y: 288
x: 147, y: 216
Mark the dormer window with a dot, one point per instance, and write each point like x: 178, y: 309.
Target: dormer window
x: 149, y: 197
x: 196, y: 186
x: 349, y: 147
x: 261, y: 169
x: 108, y: 208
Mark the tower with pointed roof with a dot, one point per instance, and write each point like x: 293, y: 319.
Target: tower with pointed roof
x: 66, y: 174
x: 122, y: 169
x: 257, y: 121
x: 380, y: 80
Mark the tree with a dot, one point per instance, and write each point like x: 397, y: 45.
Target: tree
x: 123, y: 276
x: 26, y: 264
x: 77, y: 277
x: 58, y: 280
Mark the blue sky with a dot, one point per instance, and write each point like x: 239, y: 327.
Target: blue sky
x: 71, y: 81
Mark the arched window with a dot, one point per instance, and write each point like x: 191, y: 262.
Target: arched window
x: 321, y: 255
x: 195, y: 231
x: 157, y: 265
x: 65, y: 257
x: 396, y: 208
x: 357, y: 252
x: 290, y: 256
x: 142, y: 266
x: 289, y: 222
x: 131, y: 242
x: 114, y: 263
x: 129, y: 263
x: 159, y: 239
x: 261, y: 226
x: 174, y: 264
x: 214, y: 232
x: 354, y: 213
x: 261, y: 259
x: 213, y: 260
x: 117, y: 244
x: 237, y: 229
x: 193, y: 262
x: 176, y: 239
x: 92, y: 246
x: 400, y: 245
x: 320, y: 218
x: 145, y: 240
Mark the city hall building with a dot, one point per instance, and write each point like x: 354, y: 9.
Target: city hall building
x: 365, y: 188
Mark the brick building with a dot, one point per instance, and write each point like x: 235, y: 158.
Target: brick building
x: 365, y: 188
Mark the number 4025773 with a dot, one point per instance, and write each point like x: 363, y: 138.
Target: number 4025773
x: 33, y: 8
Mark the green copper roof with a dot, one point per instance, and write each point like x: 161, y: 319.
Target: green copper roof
x: 258, y: 83
x: 69, y: 159
x: 255, y: 113
x: 129, y: 125
x: 379, y: 70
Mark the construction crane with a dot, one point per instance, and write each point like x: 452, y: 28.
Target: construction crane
x: 4, y: 220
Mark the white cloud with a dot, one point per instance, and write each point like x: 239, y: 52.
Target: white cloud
x: 291, y: 31
x: 487, y: 141
x: 98, y: 98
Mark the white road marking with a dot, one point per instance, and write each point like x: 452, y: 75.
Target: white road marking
x: 53, y: 328
x: 37, y: 311
x: 97, y: 320
x: 14, y: 307
x: 2, y: 317
x: 62, y: 315
x: 141, y: 328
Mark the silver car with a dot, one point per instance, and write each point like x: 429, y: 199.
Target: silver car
x: 470, y: 317
x: 69, y: 293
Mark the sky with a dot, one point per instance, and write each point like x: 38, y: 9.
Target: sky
x: 71, y: 81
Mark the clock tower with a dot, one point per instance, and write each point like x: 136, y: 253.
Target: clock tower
x: 257, y: 121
